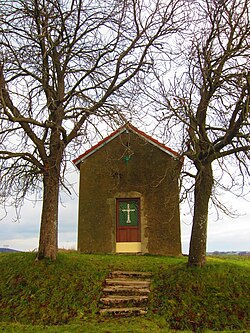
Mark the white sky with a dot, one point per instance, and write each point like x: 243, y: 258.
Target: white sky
x: 226, y: 234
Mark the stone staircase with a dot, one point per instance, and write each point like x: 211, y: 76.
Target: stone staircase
x: 126, y: 293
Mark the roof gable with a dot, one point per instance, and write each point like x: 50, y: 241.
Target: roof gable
x: 115, y: 134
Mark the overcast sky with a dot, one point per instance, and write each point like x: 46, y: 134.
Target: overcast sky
x: 226, y: 234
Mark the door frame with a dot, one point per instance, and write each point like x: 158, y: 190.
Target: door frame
x: 129, y: 247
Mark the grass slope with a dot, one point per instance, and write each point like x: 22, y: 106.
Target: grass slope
x: 67, y: 291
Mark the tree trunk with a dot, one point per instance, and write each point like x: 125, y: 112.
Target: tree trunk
x: 202, y: 193
x: 48, y: 243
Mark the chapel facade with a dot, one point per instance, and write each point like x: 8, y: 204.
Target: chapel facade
x: 129, y: 196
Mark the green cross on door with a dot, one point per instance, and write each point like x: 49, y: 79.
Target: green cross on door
x: 128, y: 213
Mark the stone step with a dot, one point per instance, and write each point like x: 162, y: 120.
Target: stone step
x: 129, y: 311
x: 123, y: 300
x: 127, y: 282
x: 126, y: 293
x: 125, y: 290
x: 133, y: 274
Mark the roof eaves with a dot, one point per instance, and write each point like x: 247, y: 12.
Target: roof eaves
x: 99, y: 145
x: 119, y: 131
x: 153, y: 141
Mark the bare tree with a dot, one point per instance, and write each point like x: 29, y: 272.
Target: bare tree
x: 205, y: 106
x: 61, y: 64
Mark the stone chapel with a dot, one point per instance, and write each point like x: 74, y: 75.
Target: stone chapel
x: 129, y: 195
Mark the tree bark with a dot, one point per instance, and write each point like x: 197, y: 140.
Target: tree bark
x: 198, y: 242
x: 48, y: 242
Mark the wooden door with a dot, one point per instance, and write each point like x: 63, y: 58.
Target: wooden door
x: 128, y: 220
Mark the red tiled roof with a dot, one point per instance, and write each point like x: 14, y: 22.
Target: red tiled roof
x: 119, y: 131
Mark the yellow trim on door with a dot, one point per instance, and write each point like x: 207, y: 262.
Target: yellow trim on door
x: 128, y: 247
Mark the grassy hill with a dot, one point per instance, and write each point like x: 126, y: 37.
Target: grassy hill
x: 67, y: 291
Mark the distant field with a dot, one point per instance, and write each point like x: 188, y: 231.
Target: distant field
x: 63, y: 296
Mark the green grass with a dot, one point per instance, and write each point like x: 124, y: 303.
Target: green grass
x: 63, y: 296
x: 134, y: 325
x: 217, y: 297
x: 112, y: 326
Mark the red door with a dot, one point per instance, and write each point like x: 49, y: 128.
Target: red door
x: 128, y: 220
